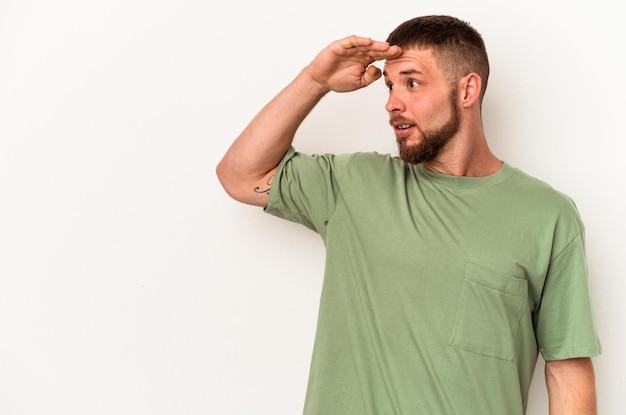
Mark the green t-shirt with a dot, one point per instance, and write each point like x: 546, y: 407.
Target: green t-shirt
x: 439, y: 291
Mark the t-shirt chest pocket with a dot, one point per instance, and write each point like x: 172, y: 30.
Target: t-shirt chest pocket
x: 488, y: 314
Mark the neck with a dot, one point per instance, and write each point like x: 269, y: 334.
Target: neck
x: 466, y: 155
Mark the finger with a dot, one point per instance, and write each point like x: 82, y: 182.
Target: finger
x: 375, y: 50
x: 393, y: 52
x: 385, y: 51
x: 363, y: 44
x: 355, y: 41
x: 371, y: 74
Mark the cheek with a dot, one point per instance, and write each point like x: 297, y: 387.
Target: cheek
x: 430, y: 110
x: 444, y: 108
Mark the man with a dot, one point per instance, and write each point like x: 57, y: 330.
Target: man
x: 447, y: 270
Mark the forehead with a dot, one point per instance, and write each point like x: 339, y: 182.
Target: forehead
x: 421, y: 61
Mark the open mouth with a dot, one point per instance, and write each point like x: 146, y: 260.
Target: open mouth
x: 403, y: 130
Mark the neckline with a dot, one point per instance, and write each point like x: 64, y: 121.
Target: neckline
x: 465, y: 182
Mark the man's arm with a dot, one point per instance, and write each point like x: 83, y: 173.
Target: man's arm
x: 247, y: 169
x: 571, y: 387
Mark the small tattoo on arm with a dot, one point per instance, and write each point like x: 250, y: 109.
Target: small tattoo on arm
x: 259, y: 189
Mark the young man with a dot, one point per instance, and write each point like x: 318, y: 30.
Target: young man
x: 447, y: 270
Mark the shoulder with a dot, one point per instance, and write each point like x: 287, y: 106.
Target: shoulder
x: 538, y: 189
x: 366, y: 159
x: 363, y: 163
x: 546, y: 203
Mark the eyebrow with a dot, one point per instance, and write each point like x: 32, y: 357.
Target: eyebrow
x: 407, y: 72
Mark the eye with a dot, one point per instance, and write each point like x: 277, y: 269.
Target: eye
x: 413, y: 83
x: 389, y: 86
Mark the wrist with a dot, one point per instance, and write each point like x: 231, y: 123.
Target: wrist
x: 309, y: 83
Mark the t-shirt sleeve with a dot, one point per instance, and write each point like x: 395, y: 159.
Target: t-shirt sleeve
x: 564, y: 322
x: 304, y: 190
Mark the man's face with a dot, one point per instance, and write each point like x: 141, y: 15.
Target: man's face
x: 422, y: 107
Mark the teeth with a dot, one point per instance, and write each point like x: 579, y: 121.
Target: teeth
x: 404, y: 126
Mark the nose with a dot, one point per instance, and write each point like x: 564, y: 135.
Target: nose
x: 394, y: 103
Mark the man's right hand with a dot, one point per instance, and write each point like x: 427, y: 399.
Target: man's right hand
x: 346, y: 65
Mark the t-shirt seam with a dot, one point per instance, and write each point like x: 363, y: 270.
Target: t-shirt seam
x: 571, y: 351
x: 567, y: 245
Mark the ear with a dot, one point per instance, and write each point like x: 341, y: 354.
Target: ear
x: 469, y: 89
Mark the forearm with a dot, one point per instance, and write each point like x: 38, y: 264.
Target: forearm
x: 263, y: 143
x: 571, y: 387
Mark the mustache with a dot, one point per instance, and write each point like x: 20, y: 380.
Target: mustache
x: 400, y: 120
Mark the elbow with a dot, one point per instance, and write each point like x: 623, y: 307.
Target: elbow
x: 220, y: 173
x: 242, y: 187
x: 225, y: 177
x: 235, y: 186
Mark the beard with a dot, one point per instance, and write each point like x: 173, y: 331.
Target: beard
x: 434, y: 140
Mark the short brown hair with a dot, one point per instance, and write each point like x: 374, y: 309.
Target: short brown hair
x: 457, y: 46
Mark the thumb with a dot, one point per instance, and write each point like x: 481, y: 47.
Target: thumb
x: 371, y: 74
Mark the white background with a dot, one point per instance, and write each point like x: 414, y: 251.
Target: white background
x: 131, y: 284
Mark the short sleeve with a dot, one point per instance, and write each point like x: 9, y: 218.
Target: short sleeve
x: 564, y: 322
x: 304, y: 190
